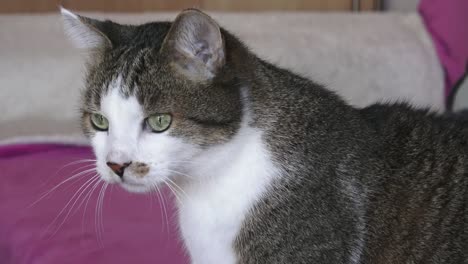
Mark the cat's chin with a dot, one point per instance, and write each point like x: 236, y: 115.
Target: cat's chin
x: 135, y: 188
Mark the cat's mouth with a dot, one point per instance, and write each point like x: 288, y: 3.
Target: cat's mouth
x: 132, y: 183
x: 134, y: 187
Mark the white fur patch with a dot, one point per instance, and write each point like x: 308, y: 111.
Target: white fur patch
x: 233, y: 178
x: 119, y: 144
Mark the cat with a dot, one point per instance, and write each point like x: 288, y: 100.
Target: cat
x: 268, y: 166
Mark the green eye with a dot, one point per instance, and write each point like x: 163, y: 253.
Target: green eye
x: 99, y: 122
x: 159, y: 123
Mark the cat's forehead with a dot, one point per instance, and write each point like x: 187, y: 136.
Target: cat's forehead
x: 122, y: 71
x: 122, y: 68
x: 134, y: 54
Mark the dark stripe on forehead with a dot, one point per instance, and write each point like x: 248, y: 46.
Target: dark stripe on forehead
x: 135, y: 69
x: 128, y: 65
x: 129, y: 60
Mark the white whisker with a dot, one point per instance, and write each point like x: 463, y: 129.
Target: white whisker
x: 86, y: 196
x: 162, y: 200
x: 98, y: 219
x: 183, y: 161
x: 150, y: 198
x: 73, y: 199
x: 173, y: 191
x: 180, y: 173
x: 70, y: 164
x: 90, y: 193
x: 83, y: 167
x: 102, y: 207
x: 79, y: 175
x: 178, y: 187
x: 76, y: 162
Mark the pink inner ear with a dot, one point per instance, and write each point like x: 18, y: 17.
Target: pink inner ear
x: 202, y: 51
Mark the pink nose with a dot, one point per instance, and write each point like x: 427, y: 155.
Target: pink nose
x: 118, y: 168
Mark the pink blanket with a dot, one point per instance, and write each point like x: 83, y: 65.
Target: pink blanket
x: 447, y: 21
x: 131, y: 229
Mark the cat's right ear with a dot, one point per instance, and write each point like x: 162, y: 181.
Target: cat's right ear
x: 195, y: 45
x: 85, y: 33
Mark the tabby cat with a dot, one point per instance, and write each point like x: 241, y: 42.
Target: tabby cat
x: 268, y: 166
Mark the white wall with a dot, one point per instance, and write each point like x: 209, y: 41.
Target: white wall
x: 400, y: 5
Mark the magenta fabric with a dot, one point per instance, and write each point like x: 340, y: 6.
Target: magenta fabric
x: 134, y: 227
x: 447, y: 22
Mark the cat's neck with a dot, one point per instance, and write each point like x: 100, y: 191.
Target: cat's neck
x: 230, y: 179
x: 245, y: 154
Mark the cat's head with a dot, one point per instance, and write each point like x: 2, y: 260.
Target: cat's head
x: 157, y: 96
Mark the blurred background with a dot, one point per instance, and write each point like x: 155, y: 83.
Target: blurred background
x: 12, y: 6
x: 366, y: 50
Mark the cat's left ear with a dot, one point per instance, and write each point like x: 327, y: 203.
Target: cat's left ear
x: 84, y: 32
x: 195, y: 46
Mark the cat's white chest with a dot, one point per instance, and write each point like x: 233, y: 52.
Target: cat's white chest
x: 213, y: 210
x: 209, y: 226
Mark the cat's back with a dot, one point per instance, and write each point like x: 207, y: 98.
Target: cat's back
x: 407, y: 134
x: 418, y: 207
